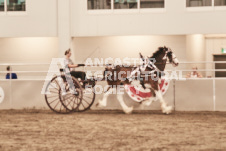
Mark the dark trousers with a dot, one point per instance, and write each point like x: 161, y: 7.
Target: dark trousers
x: 78, y: 74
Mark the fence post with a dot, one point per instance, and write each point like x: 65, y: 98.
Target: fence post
x: 214, y: 89
x: 10, y: 84
x: 174, y: 94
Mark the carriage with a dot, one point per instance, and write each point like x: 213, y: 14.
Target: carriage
x: 79, y: 101
x: 62, y: 99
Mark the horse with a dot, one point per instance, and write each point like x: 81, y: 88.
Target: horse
x: 119, y: 75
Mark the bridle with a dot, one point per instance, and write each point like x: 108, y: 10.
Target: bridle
x: 170, y: 51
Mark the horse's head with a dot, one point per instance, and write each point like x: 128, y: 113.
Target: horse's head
x: 171, y: 56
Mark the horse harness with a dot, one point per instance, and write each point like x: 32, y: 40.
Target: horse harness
x: 149, y: 63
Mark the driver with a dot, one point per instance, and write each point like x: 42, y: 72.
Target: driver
x: 69, y: 66
x: 69, y: 71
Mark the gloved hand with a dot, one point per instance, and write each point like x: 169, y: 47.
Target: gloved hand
x: 81, y: 65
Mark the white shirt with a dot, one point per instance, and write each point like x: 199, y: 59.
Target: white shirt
x: 193, y: 75
x: 67, y: 62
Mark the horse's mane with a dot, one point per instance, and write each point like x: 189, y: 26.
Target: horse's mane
x: 157, y: 52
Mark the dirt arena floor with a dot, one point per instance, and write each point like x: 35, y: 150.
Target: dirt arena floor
x: 31, y: 130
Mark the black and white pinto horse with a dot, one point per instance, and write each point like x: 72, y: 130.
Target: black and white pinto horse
x: 154, y: 67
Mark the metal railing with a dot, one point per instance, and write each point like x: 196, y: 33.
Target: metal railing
x: 89, y: 68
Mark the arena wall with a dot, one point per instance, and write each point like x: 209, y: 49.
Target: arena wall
x: 125, y: 46
x: 27, y: 51
x: 189, y: 95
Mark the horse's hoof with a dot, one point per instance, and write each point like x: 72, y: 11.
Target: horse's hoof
x: 99, y: 104
x: 129, y: 110
x: 167, y: 110
x: 142, y: 106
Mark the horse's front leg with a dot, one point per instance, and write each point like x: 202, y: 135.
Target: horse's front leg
x: 165, y: 109
x: 148, y: 101
x: 103, y: 102
x: 157, y: 92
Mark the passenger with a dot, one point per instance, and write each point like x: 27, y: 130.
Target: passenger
x: 194, y: 73
x: 12, y: 76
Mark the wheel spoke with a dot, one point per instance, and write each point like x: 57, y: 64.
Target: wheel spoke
x: 56, y: 104
x: 77, y: 100
x: 54, y: 87
x: 52, y: 96
x: 69, y: 103
x: 85, y: 101
x: 67, y: 97
x: 87, y: 96
x: 54, y: 91
x: 53, y: 101
x: 73, y: 102
x: 83, y: 105
x: 57, y: 83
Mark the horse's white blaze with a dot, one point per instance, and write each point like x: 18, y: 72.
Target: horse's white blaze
x: 164, y: 58
x: 175, y: 60
x: 125, y: 108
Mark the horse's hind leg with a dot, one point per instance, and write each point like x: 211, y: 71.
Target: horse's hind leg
x: 125, y: 108
x: 103, y: 102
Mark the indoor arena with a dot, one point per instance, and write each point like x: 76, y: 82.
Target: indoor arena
x: 112, y: 75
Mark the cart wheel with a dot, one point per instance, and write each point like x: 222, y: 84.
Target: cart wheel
x: 72, y: 100
x: 53, y: 96
x: 88, y: 98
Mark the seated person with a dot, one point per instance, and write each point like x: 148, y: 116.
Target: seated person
x: 13, y: 75
x: 69, y: 70
x: 70, y: 65
x: 194, y: 73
